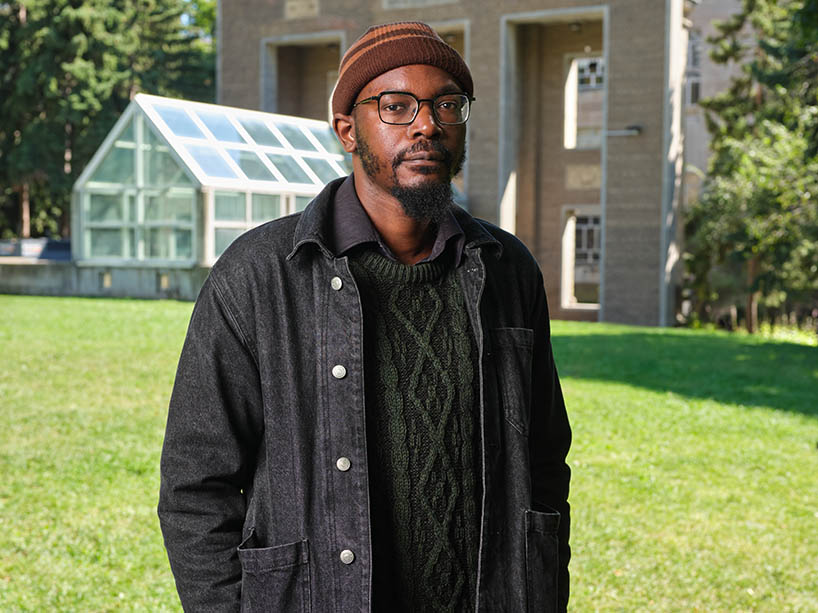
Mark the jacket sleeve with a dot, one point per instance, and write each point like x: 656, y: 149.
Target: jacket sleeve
x: 214, y: 426
x: 550, y: 438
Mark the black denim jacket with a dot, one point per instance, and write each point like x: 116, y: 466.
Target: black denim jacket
x: 256, y: 510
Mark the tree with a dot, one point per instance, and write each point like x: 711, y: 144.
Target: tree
x: 757, y: 212
x: 68, y: 69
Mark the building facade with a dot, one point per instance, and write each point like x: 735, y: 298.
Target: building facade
x: 575, y: 139
x: 704, y: 79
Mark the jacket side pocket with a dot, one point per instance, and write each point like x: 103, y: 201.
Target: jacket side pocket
x: 275, y: 578
x: 513, y: 355
x: 541, y: 560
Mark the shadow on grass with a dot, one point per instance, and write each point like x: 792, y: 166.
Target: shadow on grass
x: 731, y: 369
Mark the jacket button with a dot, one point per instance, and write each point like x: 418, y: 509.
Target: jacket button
x: 347, y: 557
x: 339, y: 372
x: 336, y: 283
x: 343, y: 464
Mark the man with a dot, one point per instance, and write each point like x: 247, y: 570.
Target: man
x: 366, y: 414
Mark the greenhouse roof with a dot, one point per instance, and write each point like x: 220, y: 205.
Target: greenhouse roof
x: 231, y: 148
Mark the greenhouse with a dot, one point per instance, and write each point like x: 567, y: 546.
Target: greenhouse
x: 175, y: 182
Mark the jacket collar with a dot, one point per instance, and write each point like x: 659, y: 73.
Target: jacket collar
x: 315, y: 225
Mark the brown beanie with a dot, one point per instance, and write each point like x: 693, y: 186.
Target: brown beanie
x: 382, y: 48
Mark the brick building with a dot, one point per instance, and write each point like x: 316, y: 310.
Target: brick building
x: 575, y: 140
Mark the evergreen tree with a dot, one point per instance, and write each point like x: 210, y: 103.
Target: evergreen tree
x: 757, y: 212
x: 68, y: 69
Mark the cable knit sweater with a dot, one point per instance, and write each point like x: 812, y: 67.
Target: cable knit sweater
x: 423, y: 439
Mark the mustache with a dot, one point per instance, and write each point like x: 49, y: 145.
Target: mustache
x: 428, y: 146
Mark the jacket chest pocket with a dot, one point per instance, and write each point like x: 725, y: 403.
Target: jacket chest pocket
x: 275, y: 578
x: 513, y: 350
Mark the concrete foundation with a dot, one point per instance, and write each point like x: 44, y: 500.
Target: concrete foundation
x: 37, y: 277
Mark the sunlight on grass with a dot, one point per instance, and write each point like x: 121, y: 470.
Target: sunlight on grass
x: 694, y: 462
x: 682, y: 502
x: 85, y: 392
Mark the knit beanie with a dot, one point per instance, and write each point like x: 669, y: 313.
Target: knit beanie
x: 388, y: 46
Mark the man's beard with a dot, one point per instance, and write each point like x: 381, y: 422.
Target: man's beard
x: 428, y: 202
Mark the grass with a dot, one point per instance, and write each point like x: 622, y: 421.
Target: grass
x: 84, y: 389
x: 694, y: 462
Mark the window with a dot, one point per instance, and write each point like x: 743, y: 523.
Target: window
x: 160, y: 166
x: 693, y: 75
x: 179, y: 121
x: 581, y: 256
x: 236, y: 212
x: 586, y: 243
x: 221, y: 127
x: 590, y: 73
x: 118, y: 166
x: 110, y: 227
x: 266, y: 207
x: 140, y: 225
x: 301, y: 202
x: 584, y: 93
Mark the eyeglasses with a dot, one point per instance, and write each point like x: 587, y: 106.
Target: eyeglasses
x: 401, y: 108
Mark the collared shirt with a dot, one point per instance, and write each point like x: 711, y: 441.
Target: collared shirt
x: 351, y: 227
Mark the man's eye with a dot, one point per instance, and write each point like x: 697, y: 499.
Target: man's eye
x: 393, y: 107
x: 447, y: 105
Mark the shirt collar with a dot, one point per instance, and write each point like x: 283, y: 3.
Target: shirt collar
x: 351, y: 227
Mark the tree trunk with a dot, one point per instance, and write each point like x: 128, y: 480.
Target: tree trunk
x: 751, y: 319
x: 25, y: 211
x: 25, y: 196
x: 65, y: 216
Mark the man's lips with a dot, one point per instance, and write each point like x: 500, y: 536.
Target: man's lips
x: 424, y: 157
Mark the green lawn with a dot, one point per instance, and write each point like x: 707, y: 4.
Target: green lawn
x: 694, y: 461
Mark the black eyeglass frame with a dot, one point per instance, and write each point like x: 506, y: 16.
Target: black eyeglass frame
x: 417, y: 108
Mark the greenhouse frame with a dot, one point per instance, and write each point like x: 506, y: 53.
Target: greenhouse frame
x: 175, y: 182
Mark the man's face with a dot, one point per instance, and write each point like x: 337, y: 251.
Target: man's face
x: 414, y: 162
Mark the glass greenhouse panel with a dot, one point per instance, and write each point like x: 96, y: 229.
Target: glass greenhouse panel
x: 301, y: 202
x: 295, y: 136
x: 221, y: 127
x: 112, y: 242
x: 230, y: 206
x: 289, y: 167
x: 128, y: 134
x: 260, y: 133
x: 251, y: 165
x: 117, y: 167
x: 323, y: 168
x: 211, y: 162
x: 173, y: 206
x: 225, y: 236
x: 266, y: 207
x: 106, y: 208
x: 179, y: 121
x: 165, y: 243
x: 160, y: 166
x: 328, y: 139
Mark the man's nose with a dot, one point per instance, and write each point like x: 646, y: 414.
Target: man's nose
x: 425, y: 123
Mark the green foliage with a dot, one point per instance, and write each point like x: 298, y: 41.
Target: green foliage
x: 68, y: 68
x: 757, y: 216
x: 693, y: 462
x: 200, y: 18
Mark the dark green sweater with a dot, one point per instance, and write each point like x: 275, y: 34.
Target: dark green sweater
x: 422, y: 396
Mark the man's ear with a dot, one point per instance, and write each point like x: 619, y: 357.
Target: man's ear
x: 344, y: 126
